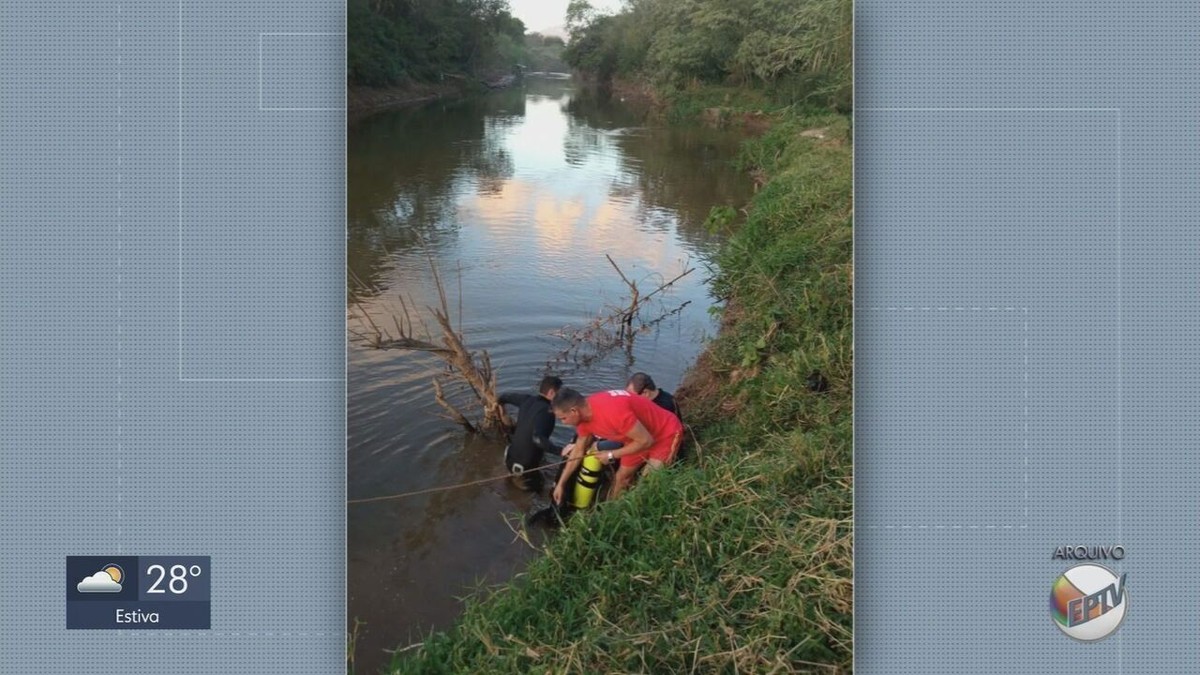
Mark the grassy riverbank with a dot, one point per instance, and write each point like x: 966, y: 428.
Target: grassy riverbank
x: 740, y: 558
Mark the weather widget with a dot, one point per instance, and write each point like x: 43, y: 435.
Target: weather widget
x: 138, y: 592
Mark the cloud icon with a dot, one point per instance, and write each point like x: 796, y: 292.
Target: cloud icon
x: 100, y: 582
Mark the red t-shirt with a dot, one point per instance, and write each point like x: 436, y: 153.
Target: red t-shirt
x: 615, y: 411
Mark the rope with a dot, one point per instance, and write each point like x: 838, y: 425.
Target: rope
x: 481, y: 481
x: 443, y: 488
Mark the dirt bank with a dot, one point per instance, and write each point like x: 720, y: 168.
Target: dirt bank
x: 363, y: 101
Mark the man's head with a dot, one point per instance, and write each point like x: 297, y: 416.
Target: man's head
x: 641, y: 384
x: 549, y: 386
x: 570, y: 407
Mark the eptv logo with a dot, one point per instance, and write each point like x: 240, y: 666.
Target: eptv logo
x: 1088, y: 602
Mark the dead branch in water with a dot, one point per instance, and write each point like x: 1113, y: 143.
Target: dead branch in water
x: 475, y: 372
x: 379, y: 338
x: 664, y: 286
x: 655, y: 321
x: 625, y: 317
x: 376, y: 337
x: 454, y: 414
x: 614, y: 327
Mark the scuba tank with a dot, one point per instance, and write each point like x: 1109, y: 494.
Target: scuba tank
x: 587, y: 482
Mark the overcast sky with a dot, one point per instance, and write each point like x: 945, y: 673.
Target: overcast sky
x: 539, y: 14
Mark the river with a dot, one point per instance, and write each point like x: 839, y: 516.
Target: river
x: 516, y: 197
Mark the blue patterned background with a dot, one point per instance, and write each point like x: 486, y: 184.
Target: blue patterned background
x: 172, y: 321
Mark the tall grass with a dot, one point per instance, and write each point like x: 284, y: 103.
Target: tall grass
x: 740, y: 559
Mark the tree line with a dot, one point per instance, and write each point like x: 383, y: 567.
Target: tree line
x: 404, y: 41
x: 796, y: 48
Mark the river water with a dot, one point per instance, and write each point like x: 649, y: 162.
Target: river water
x: 516, y: 197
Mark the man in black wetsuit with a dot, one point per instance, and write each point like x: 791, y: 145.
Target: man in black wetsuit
x: 531, y: 439
x: 642, y: 384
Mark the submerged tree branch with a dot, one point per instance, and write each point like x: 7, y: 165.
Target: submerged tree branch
x: 476, y: 372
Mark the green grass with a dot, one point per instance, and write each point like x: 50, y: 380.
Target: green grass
x: 740, y: 559
x: 687, y: 105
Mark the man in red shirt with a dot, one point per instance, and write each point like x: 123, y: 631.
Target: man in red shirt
x: 649, y: 434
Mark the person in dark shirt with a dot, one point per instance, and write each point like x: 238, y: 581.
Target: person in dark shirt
x: 642, y: 384
x: 530, y: 441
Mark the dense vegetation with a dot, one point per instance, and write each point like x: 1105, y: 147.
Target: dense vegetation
x: 543, y: 53
x: 796, y: 50
x: 394, y: 42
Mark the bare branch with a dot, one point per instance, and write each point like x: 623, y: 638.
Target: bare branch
x: 669, y: 283
x: 618, y: 269
x: 454, y: 413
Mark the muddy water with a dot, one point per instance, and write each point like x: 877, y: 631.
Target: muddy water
x: 516, y: 197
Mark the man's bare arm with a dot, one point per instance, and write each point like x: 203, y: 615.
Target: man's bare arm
x: 579, y: 449
x: 639, y: 440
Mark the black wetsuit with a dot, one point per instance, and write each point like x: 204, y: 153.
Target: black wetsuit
x: 531, y: 439
x: 666, y: 401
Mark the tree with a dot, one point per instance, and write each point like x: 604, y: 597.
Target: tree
x: 812, y: 37
x: 580, y: 15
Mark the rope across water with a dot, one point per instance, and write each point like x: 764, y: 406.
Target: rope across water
x: 446, y: 487
x: 443, y: 488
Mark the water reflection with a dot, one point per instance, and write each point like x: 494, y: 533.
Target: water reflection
x: 405, y: 169
x: 516, y: 197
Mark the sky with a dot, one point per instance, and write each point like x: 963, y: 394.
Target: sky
x: 539, y: 14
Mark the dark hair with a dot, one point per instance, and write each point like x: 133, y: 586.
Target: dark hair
x: 568, y: 398
x: 641, y: 382
x: 549, y: 382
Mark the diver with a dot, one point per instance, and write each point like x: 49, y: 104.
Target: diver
x: 530, y: 441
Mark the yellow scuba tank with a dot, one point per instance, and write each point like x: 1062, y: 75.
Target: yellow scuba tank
x: 587, y: 483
